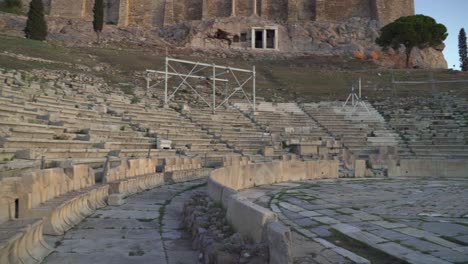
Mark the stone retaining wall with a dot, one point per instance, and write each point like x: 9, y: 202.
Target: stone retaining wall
x: 428, y: 168
x: 253, y: 221
x: 52, y: 201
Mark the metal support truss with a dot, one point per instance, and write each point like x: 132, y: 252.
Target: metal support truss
x: 356, y: 99
x: 201, y: 72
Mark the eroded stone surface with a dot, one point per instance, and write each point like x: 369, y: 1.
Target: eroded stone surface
x: 132, y: 233
x: 412, y: 219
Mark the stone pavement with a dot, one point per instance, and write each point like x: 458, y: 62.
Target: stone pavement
x: 147, y: 229
x: 416, y: 220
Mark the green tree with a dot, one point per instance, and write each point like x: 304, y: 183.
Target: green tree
x: 463, y: 50
x: 13, y: 3
x: 36, y: 26
x: 98, y: 21
x: 412, y: 31
x: 11, y: 6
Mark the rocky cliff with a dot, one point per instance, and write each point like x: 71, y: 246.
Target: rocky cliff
x: 352, y: 38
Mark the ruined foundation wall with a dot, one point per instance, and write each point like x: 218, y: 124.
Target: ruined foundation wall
x: 388, y: 11
x: 340, y: 10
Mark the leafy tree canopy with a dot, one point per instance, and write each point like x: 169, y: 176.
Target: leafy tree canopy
x: 412, y: 31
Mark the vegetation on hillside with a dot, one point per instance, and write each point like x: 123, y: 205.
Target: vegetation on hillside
x: 98, y: 21
x: 411, y: 32
x: 463, y: 50
x: 36, y: 25
x: 306, y: 79
x: 11, y: 6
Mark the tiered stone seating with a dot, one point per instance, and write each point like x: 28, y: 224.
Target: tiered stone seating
x: 186, y: 137
x: 286, y: 122
x: 433, y: 127
x: 233, y: 128
x: 56, y: 128
x: 21, y: 241
x: 362, y: 132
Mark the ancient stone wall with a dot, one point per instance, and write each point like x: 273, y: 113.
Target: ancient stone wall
x: 301, y: 10
x: 339, y: 10
x: 217, y: 8
x: 87, y: 10
x: 274, y: 9
x: 144, y: 13
x: 187, y: 10
x: 244, y: 7
x: 148, y: 13
x: 67, y: 8
x: 387, y: 11
x: 111, y: 12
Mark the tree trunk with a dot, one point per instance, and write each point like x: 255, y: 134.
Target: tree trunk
x: 408, y: 55
x: 98, y: 34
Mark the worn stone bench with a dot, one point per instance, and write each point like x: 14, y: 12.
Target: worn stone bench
x: 21, y: 241
x: 62, y: 213
x: 130, y: 177
x: 62, y: 197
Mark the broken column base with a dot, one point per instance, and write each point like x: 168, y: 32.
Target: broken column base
x: 116, y: 200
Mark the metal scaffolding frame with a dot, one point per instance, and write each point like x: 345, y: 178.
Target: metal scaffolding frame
x: 214, y: 77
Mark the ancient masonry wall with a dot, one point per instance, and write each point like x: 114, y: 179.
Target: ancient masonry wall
x: 66, y: 8
x: 148, y: 13
x: 301, y: 10
x: 217, y: 8
x: 387, y: 11
x: 111, y: 11
x: 274, y: 9
x: 187, y: 10
x: 342, y: 9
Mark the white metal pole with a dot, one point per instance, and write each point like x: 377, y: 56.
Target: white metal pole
x: 360, y: 87
x: 354, y: 95
x: 165, y: 82
x: 214, y: 88
x: 147, y: 83
x: 254, y: 89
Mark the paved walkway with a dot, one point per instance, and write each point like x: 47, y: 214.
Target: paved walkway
x: 147, y: 229
x: 419, y: 220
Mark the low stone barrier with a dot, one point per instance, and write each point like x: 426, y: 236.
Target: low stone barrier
x: 131, y: 177
x: 62, y: 197
x: 428, y: 168
x: 183, y: 169
x: 254, y: 221
x: 52, y: 201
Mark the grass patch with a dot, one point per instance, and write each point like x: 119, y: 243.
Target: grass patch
x: 361, y: 249
x: 11, y: 9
